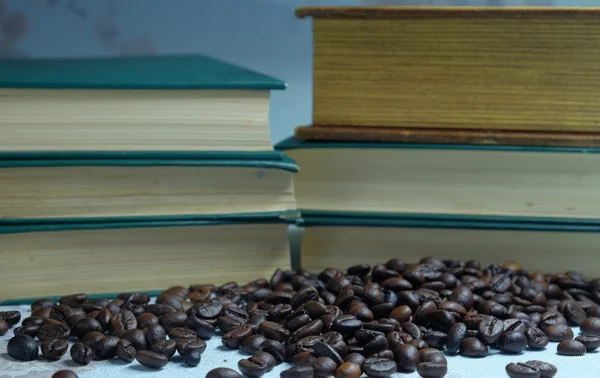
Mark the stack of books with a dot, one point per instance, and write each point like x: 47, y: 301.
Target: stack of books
x: 455, y: 132
x: 138, y: 173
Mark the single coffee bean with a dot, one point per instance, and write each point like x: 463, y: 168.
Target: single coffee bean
x: 166, y: 348
x: 432, y: 369
x: 324, y: 367
x: 573, y: 312
x: 357, y: 358
x: 65, y: 374
x: 10, y: 317
x: 106, y: 347
x: 3, y: 327
x: 22, y: 348
x: 547, y: 370
x: 31, y: 330
x: 192, y: 358
x: 81, y: 353
x: 590, y: 326
x: 536, y: 338
x: 252, y: 343
x: 418, y: 343
x: 272, y: 330
x: 274, y: 348
x: 591, y: 342
x: 456, y: 334
x: 490, y: 329
x: 559, y: 332
x: 54, y: 349
x: 432, y: 355
x: 378, y: 367
x: 513, y: 342
x: 473, y: 347
x: 570, y: 348
x: 84, y: 326
x: 151, y: 360
x: 236, y: 336
x: 146, y: 319
x: 406, y: 357
x: 182, y: 333
x: 53, y: 329
x: 91, y: 338
x: 322, y: 349
x: 304, y: 359
x: 297, y: 372
x: 348, y: 370
x: 522, y: 370
x: 256, y: 365
x: 125, y: 350
x: 223, y: 373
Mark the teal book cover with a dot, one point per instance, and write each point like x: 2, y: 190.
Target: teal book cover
x: 153, y: 72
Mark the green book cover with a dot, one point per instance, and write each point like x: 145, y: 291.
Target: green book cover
x: 157, y: 72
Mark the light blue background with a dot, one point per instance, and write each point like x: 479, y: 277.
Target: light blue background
x: 263, y: 35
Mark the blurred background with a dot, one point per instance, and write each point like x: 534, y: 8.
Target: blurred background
x: 260, y: 34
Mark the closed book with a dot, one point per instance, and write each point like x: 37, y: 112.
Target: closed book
x: 139, y: 103
x: 475, y: 68
x: 85, y: 190
x: 339, y: 241
x: 114, y: 257
x: 450, y: 181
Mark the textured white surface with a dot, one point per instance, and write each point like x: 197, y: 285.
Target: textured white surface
x: 218, y: 356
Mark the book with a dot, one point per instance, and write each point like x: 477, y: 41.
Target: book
x: 540, y: 184
x: 339, y: 241
x: 140, y: 103
x: 50, y: 260
x: 85, y: 190
x: 465, y: 68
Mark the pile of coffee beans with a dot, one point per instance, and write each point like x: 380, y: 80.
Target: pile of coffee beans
x: 372, y: 320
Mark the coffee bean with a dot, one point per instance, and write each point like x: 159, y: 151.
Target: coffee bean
x: 54, y: 349
x: 65, y: 374
x: 590, y: 326
x: 84, y: 326
x: 473, y: 347
x: 512, y: 342
x: 274, y: 348
x: 252, y: 343
x: 304, y: 359
x: 126, y: 351
x: 573, y: 312
x: 591, y: 342
x: 81, y: 353
x: 106, y: 347
x: 151, y: 360
x: 357, y: 358
x: 297, y: 372
x: 53, y: 329
x: 10, y: 317
x: 31, y: 330
x: 432, y: 369
x: 272, y: 330
x: 547, y: 370
x: 192, y: 358
x: 536, y: 338
x: 3, y: 327
x: 346, y: 324
x: 348, y: 370
x: 155, y: 334
x: 406, y: 357
x: 165, y: 347
x: 324, y: 367
x: 558, y: 332
x: 490, y: 329
x: 91, y: 338
x: 570, y: 348
x: 223, y: 373
x: 522, y: 370
x: 22, y: 348
x: 257, y: 365
x: 456, y: 334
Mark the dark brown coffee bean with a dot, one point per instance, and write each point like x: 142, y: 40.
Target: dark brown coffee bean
x: 126, y: 351
x: 418, y: 343
x: 558, y: 332
x: 322, y: 349
x: 536, y: 338
x: 435, y: 339
x: 122, y: 321
x: 106, y: 347
x: 550, y: 318
x: 513, y: 342
x: 91, y: 338
x: 324, y: 367
x: 223, y: 373
x: 432, y: 355
x: 166, y: 348
x: 81, y: 353
x: 31, y: 330
x: 32, y: 320
x: 53, y: 329
x: 43, y: 303
x: 348, y: 370
x: 151, y: 360
x: 590, y: 326
x: 357, y: 358
x: 376, y: 344
x: 346, y: 324
x: 155, y: 334
x: 591, y: 342
x: 252, y: 343
x: 304, y: 359
x: 22, y: 348
x: 401, y: 313
x: 3, y: 327
x: 570, y: 348
x: 547, y: 370
x: 65, y: 374
x: 182, y: 333
x: 236, y: 336
x: 473, y: 347
x: 274, y: 348
x: 84, y: 326
x: 456, y: 334
x: 146, y: 319
x: 522, y: 370
x: 490, y: 329
x: 257, y: 365
x: 407, y: 357
x: 297, y: 372
x: 272, y: 330
x: 10, y: 317
x: 54, y: 349
x: 432, y: 369
x: 573, y: 312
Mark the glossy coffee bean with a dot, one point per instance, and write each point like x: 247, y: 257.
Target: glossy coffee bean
x: 126, y: 351
x: 348, y: 370
x: 590, y: 326
x: 591, y: 342
x: 106, y: 347
x: 456, y: 334
x: 297, y: 372
x: 10, y: 317
x: 54, y: 349
x: 558, y: 332
x: 536, y: 338
x: 3, y: 327
x: 432, y: 369
x: 167, y: 348
x: 473, y: 347
x: 513, y: 342
x: 274, y: 348
x: 406, y: 357
x: 547, y: 370
x: 151, y: 360
x: 570, y: 348
x: 22, y: 348
x: 357, y: 358
x: 522, y: 370
x: 65, y: 373
x: 378, y: 367
x: 256, y: 365
x: 490, y: 329
x: 223, y: 373
x: 252, y: 343
x: 81, y: 353
x: 234, y: 338
x: 432, y: 355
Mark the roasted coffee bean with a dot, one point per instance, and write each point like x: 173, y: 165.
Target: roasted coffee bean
x: 272, y: 330
x: 257, y: 365
x: 252, y: 344
x: 151, y: 360
x: 106, y: 347
x: 65, y: 374
x: 456, y: 334
x: 54, y: 349
x: 125, y: 350
x: 376, y: 344
x: 32, y: 320
x: 357, y: 358
x: 348, y: 370
x: 3, y: 327
x: 223, y: 373
x: 322, y: 349
x: 297, y: 372
x: 324, y: 367
x: 490, y: 329
x: 43, y: 303
x: 84, y: 326
x: 313, y: 328
x: 122, y: 321
x: 155, y: 334
x: 514, y: 325
x: 10, y: 317
x: 550, y: 318
x: 591, y: 342
x: 192, y: 358
x: 473, y: 347
x: 522, y: 370
x: 166, y: 348
x: 31, y: 330
x: 274, y: 348
x: 81, y: 353
x: 546, y: 369
x: 304, y: 359
x: 146, y: 319
x: 53, y: 329
x: 570, y: 348
x: 22, y: 348
x: 406, y: 357
x: 236, y: 336
x: 536, y: 338
x: 512, y: 342
x: 590, y: 326
x: 559, y: 332
x: 91, y: 338
x: 182, y: 333
x: 432, y: 369
x: 573, y: 312
x: 432, y: 355
x: 435, y: 339
x: 418, y: 343
x: 346, y: 324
